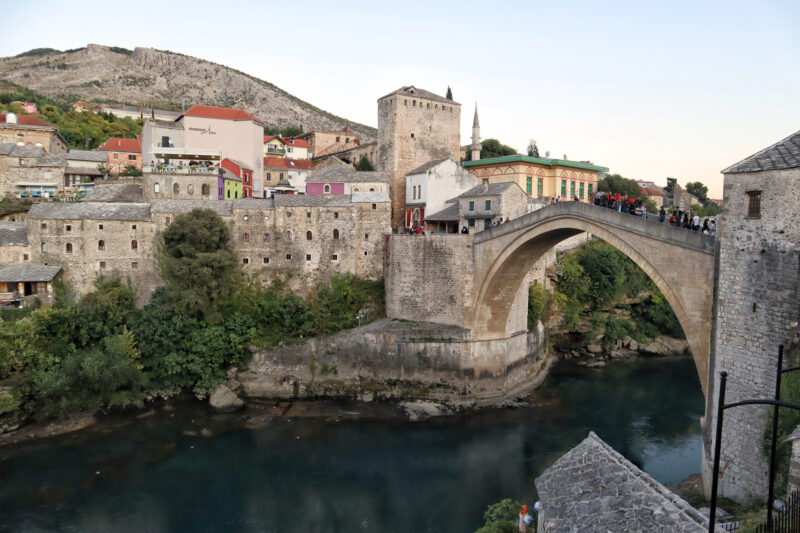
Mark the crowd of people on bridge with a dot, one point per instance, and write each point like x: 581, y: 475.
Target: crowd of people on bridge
x: 635, y: 206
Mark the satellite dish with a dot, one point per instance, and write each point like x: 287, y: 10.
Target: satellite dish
x: 547, y: 154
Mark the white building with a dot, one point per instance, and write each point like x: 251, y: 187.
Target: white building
x: 429, y: 187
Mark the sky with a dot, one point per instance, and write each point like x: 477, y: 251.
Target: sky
x: 648, y: 89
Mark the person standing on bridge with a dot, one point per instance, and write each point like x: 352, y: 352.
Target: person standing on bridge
x: 696, y: 222
x: 662, y: 214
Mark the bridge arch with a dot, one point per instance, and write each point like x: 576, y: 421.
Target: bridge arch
x: 680, y: 263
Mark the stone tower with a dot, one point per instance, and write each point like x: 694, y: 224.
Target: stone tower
x: 415, y: 127
x: 756, y: 307
x: 476, y: 136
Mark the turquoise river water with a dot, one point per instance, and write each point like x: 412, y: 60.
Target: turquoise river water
x: 345, y: 470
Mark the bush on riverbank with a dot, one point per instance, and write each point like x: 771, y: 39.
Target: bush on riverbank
x: 101, y: 352
x: 591, y: 282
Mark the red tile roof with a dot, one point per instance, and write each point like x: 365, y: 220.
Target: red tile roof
x: 652, y: 192
x: 26, y: 120
x: 280, y: 162
x: 219, y: 112
x: 117, y: 144
x: 288, y: 140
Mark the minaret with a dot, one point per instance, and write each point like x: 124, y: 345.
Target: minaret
x: 476, y: 136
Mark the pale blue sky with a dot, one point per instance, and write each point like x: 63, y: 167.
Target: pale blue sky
x: 679, y: 89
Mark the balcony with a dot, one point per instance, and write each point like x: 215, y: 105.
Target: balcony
x: 200, y: 154
x: 180, y: 169
x: 276, y: 150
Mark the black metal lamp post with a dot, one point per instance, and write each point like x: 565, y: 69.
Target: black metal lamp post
x: 721, y: 406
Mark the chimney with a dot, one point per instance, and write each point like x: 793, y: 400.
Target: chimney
x: 566, y: 158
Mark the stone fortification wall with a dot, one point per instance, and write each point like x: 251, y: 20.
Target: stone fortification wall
x: 413, y: 129
x: 392, y: 359
x: 758, y: 262
x: 429, y: 278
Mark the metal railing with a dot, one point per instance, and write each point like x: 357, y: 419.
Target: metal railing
x: 788, y: 520
x: 180, y: 169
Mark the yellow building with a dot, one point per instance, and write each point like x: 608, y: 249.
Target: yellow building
x: 540, y: 177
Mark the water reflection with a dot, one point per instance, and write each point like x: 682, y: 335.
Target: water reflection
x: 301, y: 475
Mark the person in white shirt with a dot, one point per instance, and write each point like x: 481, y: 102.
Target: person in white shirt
x: 696, y: 222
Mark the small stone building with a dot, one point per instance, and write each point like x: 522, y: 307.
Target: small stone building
x: 30, y: 171
x: 341, y: 178
x: 14, y: 242
x: 594, y: 488
x: 22, y: 282
x: 430, y: 186
x: 490, y: 203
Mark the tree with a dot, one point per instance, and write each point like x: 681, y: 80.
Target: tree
x: 616, y: 184
x: 493, y: 148
x: 671, y: 182
x: 197, y: 266
x: 449, y: 94
x: 533, y: 150
x: 699, y: 190
x: 364, y: 164
x: 131, y: 170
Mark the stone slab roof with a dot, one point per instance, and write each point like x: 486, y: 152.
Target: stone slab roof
x: 168, y: 124
x: 448, y: 214
x: 411, y: 92
x: 16, y: 150
x: 490, y: 189
x: 781, y: 155
x: 116, y: 192
x: 594, y: 488
x: 253, y: 203
x: 89, y: 211
x: 87, y: 155
x: 27, y: 272
x: 13, y: 233
x: 220, y: 207
x: 312, y: 200
x: 373, y: 197
x: 343, y: 173
x: 51, y: 160
x: 427, y: 166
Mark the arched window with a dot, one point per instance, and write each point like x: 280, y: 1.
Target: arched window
x: 372, y: 189
x: 156, y: 188
x: 134, y: 244
x: 355, y: 189
x: 266, y: 237
x: 69, y: 247
x: 176, y: 188
x: 246, y: 237
x: 288, y: 235
x: 190, y: 188
x: 101, y: 244
x: 336, y: 234
x: 44, y: 247
x: 326, y: 189
x: 205, y: 189
x: 308, y: 236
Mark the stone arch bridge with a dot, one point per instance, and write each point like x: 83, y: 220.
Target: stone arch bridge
x: 477, y: 281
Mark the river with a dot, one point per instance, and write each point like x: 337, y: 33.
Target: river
x: 347, y: 471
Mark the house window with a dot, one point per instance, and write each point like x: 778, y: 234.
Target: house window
x: 366, y: 236
x: 190, y: 188
x: 176, y: 188
x: 335, y: 257
x: 335, y: 214
x: 116, y: 156
x: 412, y: 135
x: 308, y: 236
x: 288, y: 235
x: 69, y: 247
x: 245, y: 260
x: 101, y: 244
x: 308, y: 257
x: 365, y: 252
x: 69, y: 228
x: 280, y: 176
x: 488, y: 205
x: 44, y: 225
x: 326, y: 189
x: 269, y: 176
x: 374, y: 207
x: 590, y: 190
x: 414, y: 103
x: 337, y: 139
x: 288, y: 257
x: 131, y: 157
x: 100, y: 226
x: 580, y: 188
x: 133, y: 226
x: 308, y: 214
x: 563, y: 188
x: 229, y: 193
x: 156, y: 188
x: 336, y: 234
x: 372, y: 189
x: 540, y: 187
x: 572, y: 189
x: 265, y: 260
x: 102, y: 264
x: 44, y: 247
x: 135, y: 265
x: 25, y: 257
x: 134, y: 244
x: 246, y: 237
x: 266, y: 237
x: 529, y: 185
x: 754, y: 204
x: 471, y: 223
x: 471, y: 205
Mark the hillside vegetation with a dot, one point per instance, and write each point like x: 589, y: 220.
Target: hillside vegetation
x: 162, y: 79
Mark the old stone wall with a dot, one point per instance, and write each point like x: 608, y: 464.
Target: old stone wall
x: 14, y: 254
x: 391, y: 359
x: 17, y: 170
x: 758, y: 262
x: 411, y: 132
x: 189, y: 186
x: 429, y: 278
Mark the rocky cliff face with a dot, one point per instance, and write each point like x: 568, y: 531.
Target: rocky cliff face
x: 156, y: 78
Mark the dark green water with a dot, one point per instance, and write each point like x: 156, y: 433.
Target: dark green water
x: 327, y: 475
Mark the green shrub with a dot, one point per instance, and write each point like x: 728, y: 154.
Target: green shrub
x: 501, y: 517
x: 538, y: 299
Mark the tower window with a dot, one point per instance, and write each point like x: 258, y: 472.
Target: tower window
x: 69, y: 228
x: 412, y: 135
x: 101, y: 245
x: 265, y: 260
x: 754, y: 204
x: 69, y: 247
x: 134, y: 244
x: 245, y: 260
x: 135, y: 265
x: 308, y: 257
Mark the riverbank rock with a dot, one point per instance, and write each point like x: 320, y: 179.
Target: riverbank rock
x: 664, y: 346
x: 225, y: 400
x: 421, y: 410
x: 594, y: 348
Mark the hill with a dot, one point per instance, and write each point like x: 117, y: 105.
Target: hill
x: 162, y: 79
